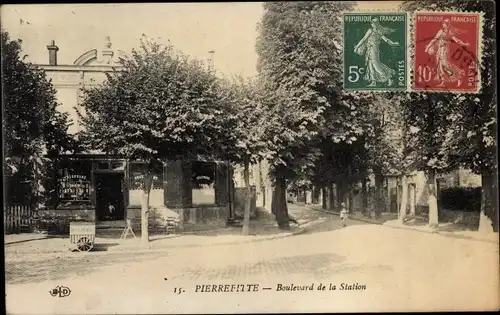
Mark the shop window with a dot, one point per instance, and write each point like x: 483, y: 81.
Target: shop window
x: 74, y: 182
x: 203, y: 183
x: 136, y: 180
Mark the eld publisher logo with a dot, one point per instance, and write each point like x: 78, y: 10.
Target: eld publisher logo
x: 60, y: 291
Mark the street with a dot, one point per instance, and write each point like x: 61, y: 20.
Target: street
x: 361, y: 267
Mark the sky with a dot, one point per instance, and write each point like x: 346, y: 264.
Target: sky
x: 229, y: 29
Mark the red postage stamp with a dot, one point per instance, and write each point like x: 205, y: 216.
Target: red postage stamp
x: 447, y: 47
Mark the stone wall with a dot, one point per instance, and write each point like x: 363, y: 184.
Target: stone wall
x: 206, y: 215
x: 195, y: 215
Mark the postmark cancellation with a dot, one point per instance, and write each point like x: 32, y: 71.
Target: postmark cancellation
x: 447, y: 52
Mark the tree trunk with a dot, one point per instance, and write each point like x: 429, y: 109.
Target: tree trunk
x: 273, y: 200
x: 411, y: 192
x: 281, y: 205
x: 315, y: 194
x: 364, y: 197
x: 494, y: 200
x: 262, y: 186
x: 263, y: 192
x: 432, y: 199
x: 34, y: 199
x: 308, y: 196
x: 404, y: 198
x: 379, y: 195
x: 323, y: 197
x: 248, y: 201
x: 146, y: 188
x: 350, y: 200
x: 330, y: 196
x: 338, y: 189
x: 488, y: 219
x: 438, y: 192
x: 343, y: 193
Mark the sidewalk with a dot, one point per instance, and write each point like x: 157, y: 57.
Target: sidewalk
x: 22, y: 238
x: 444, y: 229
x: 358, y: 216
x: 40, y: 244
x: 447, y: 229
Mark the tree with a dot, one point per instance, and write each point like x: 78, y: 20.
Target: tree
x: 161, y: 105
x: 428, y: 129
x: 250, y: 147
x: 34, y: 130
x: 385, y: 145
x: 300, y: 67
x: 358, y: 141
x: 470, y: 137
x: 383, y: 148
x: 342, y: 146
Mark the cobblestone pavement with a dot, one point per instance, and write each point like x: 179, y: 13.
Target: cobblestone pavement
x: 398, y: 269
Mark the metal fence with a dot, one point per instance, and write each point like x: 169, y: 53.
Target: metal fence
x: 17, y: 219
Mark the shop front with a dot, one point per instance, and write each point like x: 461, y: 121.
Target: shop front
x: 108, y: 190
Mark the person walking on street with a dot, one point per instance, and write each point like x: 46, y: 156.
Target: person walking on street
x: 344, y: 213
x: 111, y: 209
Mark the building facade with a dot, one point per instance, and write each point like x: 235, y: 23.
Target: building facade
x: 98, y: 187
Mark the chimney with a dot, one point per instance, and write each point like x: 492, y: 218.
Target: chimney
x: 52, y: 48
x: 107, y: 51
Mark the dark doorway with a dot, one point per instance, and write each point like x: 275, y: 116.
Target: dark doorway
x: 109, y: 196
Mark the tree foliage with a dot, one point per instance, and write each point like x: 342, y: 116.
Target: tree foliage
x: 161, y: 104
x: 299, y: 60
x: 245, y: 96
x: 33, y: 127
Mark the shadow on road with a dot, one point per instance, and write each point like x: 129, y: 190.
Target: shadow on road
x: 318, y: 266
x: 331, y: 224
x: 444, y: 225
x: 255, y: 229
x: 78, y: 265
x: 103, y: 247
x: 31, y: 239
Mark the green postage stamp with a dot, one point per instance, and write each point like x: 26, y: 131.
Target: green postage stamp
x: 375, y: 51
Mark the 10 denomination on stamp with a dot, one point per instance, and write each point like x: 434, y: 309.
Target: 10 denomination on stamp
x: 447, y: 52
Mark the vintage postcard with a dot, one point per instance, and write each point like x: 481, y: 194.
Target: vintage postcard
x: 239, y: 157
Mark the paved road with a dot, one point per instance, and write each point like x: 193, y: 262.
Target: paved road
x: 389, y: 269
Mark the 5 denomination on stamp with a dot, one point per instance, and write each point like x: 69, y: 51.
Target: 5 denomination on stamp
x: 375, y: 51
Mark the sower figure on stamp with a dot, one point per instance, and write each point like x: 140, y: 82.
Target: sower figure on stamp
x: 446, y: 72
x: 376, y: 71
